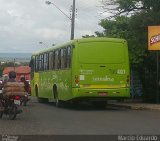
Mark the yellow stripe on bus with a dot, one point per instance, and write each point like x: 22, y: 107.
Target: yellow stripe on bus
x: 102, y: 86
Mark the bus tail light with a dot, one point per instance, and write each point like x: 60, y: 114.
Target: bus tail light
x: 76, y: 80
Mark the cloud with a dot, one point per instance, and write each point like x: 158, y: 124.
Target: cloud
x: 48, y: 33
x: 24, y: 23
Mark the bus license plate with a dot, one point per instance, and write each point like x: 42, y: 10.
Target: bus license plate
x: 102, y: 94
x: 17, y: 102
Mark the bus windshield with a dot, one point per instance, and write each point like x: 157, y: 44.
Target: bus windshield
x: 100, y: 52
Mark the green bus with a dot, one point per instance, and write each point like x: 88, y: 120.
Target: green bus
x: 89, y: 69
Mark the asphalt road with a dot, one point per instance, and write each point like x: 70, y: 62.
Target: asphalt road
x: 46, y: 119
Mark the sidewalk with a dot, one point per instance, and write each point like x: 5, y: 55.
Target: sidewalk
x: 135, y: 105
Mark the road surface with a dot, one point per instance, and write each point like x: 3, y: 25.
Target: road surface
x: 46, y: 119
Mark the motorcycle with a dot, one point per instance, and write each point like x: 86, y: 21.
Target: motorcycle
x: 9, y: 105
x: 25, y: 99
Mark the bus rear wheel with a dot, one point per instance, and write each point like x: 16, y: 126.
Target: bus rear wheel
x: 58, y: 102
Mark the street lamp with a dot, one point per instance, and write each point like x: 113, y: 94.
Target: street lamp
x: 72, y: 19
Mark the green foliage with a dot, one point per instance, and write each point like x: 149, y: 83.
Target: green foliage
x: 127, y: 7
x: 130, y: 20
x: 133, y: 28
x: 120, y: 28
x: 115, y: 28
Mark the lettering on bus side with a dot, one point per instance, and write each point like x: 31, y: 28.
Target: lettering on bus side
x: 86, y: 71
x: 121, y: 71
x: 106, y: 78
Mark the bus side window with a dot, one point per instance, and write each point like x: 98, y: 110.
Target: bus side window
x: 68, y: 56
x: 59, y: 59
x: 31, y: 64
x: 62, y: 58
x: 56, y: 59
x: 53, y: 61
x: 50, y: 60
x: 36, y: 63
x: 41, y: 62
x: 65, y: 57
x: 45, y: 61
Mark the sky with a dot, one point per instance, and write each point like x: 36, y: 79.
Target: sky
x: 25, y: 23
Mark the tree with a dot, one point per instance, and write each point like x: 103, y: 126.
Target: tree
x: 130, y: 20
x: 120, y: 27
x: 129, y: 7
x: 132, y: 26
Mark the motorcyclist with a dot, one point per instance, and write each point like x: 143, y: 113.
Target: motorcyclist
x: 26, y: 85
x: 26, y: 88
x: 12, y: 76
x: 10, y: 107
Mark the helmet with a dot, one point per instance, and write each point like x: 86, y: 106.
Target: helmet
x: 12, y: 74
x: 22, y: 78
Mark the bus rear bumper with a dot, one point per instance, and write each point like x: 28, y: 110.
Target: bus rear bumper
x: 100, y: 94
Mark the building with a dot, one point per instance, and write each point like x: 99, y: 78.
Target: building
x: 21, y: 71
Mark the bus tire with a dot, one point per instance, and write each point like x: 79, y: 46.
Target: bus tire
x: 40, y: 100
x: 58, y: 102
x: 36, y: 90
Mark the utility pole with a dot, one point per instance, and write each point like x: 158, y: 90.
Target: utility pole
x: 73, y: 20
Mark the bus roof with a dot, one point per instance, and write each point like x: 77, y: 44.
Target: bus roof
x: 82, y: 40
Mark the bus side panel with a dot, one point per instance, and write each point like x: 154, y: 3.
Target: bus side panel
x: 46, y: 81
x: 64, y: 84
x: 34, y: 83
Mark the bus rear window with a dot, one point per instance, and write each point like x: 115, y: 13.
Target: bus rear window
x: 101, y: 52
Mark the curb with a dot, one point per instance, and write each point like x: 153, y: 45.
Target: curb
x: 135, y: 107
x: 121, y: 106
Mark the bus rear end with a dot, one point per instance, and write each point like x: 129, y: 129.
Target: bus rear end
x: 100, y: 70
